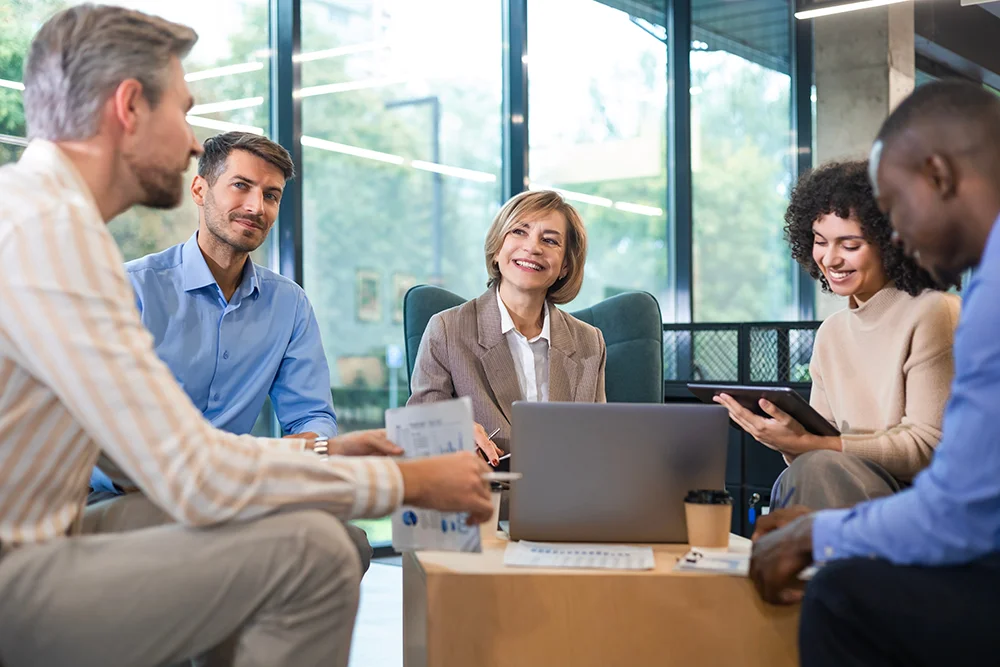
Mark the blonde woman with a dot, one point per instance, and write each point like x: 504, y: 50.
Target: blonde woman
x: 512, y: 343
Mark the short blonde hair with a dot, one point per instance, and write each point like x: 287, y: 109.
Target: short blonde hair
x: 532, y: 204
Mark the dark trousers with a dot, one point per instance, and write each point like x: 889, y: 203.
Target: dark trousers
x: 869, y: 612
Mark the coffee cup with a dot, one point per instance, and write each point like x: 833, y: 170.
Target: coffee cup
x: 709, y: 515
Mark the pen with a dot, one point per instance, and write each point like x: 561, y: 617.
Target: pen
x: 501, y: 476
x: 490, y: 436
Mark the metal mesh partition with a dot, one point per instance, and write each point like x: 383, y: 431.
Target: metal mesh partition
x: 780, y: 353
x: 748, y: 353
x: 702, y: 354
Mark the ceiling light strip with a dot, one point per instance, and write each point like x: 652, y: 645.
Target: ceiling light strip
x: 215, y: 72
x: 346, y: 86
x: 846, y: 7
x: 228, y: 105
x: 323, y: 144
x: 310, y: 56
x: 12, y: 140
x: 457, y: 172
x: 222, y: 125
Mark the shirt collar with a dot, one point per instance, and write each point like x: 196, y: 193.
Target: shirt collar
x: 507, y: 323
x: 197, y: 274
x: 45, y: 157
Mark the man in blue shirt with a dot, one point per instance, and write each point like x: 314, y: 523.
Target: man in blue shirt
x: 231, y: 332
x: 914, y: 578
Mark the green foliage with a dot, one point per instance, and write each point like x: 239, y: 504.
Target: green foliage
x: 742, y: 264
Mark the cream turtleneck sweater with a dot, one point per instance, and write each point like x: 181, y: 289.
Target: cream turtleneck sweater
x: 881, y: 373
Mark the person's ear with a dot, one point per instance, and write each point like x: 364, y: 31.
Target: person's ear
x: 940, y: 172
x: 198, y: 188
x: 129, y: 105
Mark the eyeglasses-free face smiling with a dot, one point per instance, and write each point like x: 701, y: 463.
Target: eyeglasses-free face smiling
x: 532, y: 257
x: 851, y: 265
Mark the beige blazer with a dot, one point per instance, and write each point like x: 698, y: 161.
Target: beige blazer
x: 463, y: 353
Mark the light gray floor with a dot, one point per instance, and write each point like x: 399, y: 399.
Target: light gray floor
x: 378, y: 633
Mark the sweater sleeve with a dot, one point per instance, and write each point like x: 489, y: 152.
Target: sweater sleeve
x: 906, y: 448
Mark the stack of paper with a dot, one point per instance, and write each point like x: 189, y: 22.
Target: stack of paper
x: 599, y: 556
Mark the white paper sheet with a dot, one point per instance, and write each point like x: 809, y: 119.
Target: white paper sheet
x: 430, y: 430
x: 599, y: 556
x: 732, y: 563
x: 719, y: 562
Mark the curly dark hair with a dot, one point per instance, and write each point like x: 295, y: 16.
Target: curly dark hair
x: 843, y: 188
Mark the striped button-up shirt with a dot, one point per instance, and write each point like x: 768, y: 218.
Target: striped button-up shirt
x: 78, y: 374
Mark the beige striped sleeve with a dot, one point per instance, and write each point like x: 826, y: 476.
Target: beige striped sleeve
x: 72, y: 320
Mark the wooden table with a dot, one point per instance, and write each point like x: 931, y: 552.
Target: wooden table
x: 468, y: 610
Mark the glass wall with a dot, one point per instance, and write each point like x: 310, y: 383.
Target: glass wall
x: 402, y: 151
x: 742, y: 160
x: 597, y: 101
x: 227, y: 72
x: 401, y: 175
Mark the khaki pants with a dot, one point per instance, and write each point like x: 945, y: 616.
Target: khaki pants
x: 132, y: 511
x: 284, y: 589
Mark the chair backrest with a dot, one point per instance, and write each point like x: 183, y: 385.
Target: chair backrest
x: 420, y: 304
x: 633, y: 333
x: 630, y: 322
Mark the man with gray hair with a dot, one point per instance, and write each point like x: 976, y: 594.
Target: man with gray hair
x: 258, y: 552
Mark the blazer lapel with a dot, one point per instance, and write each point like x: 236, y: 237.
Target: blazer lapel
x: 564, y: 370
x: 495, y: 354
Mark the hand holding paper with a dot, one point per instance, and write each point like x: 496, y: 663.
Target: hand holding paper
x: 449, y: 483
x: 440, y: 473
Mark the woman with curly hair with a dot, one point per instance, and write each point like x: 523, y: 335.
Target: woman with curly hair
x: 881, y: 368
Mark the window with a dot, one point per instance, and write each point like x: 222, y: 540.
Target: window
x: 597, y: 88
x: 742, y: 160
x: 401, y: 177
x: 234, y: 36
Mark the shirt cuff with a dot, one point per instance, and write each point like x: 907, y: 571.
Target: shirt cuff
x: 826, y: 535
x: 379, y: 487
x: 324, y: 428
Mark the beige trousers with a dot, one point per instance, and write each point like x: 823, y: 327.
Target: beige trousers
x: 283, y: 590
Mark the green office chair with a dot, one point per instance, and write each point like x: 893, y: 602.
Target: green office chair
x: 630, y: 322
x: 420, y: 304
x: 633, y: 333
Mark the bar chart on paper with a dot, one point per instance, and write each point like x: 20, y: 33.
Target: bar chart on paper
x: 432, y: 430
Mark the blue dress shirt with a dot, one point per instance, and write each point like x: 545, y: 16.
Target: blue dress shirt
x: 951, y: 514
x: 229, y: 357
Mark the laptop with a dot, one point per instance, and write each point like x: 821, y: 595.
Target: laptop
x: 612, y: 472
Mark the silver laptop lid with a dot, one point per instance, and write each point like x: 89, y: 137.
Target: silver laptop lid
x: 612, y: 472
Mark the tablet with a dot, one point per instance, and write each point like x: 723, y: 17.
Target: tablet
x: 785, y: 398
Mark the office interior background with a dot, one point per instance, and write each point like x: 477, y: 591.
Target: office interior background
x: 676, y: 127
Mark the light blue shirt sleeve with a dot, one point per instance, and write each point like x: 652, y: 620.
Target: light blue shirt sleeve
x: 300, y: 393
x: 951, y: 514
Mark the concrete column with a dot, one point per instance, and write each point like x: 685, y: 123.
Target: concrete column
x: 864, y: 64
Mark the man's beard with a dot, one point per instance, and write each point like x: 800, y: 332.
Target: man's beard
x: 162, y: 188
x: 218, y: 224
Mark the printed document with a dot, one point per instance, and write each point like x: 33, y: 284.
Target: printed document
x: 597, y: 556
x: 430, y: 430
